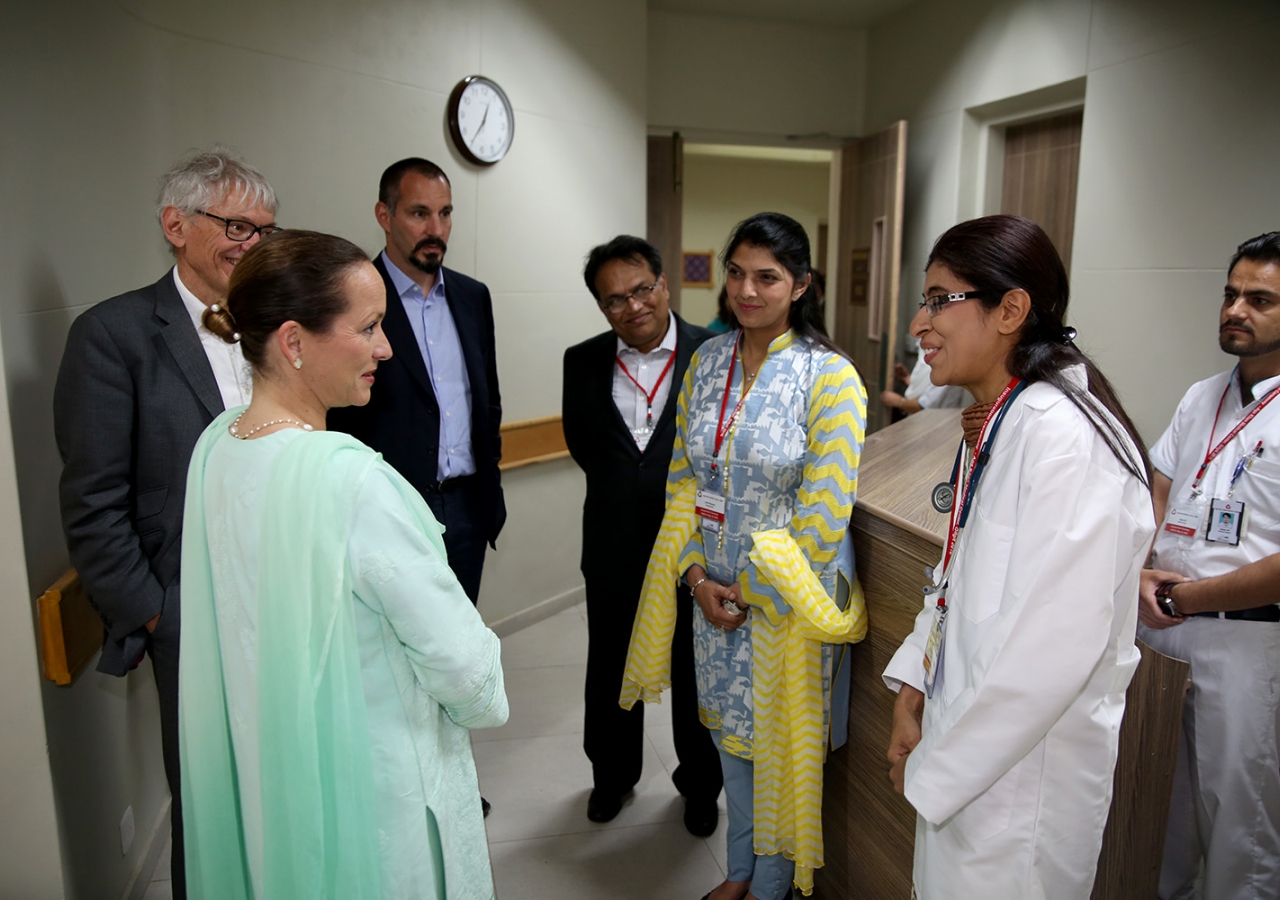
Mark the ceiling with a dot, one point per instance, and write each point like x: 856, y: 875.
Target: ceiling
x: 848, y: 13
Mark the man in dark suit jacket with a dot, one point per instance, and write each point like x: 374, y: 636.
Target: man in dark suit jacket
x: 436, y: 409
x: 619, y: 410
x: 137, y: 385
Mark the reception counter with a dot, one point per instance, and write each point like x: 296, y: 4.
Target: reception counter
x: 869, y: 830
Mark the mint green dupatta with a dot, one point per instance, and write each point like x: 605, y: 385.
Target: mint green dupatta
x: 319, y: 819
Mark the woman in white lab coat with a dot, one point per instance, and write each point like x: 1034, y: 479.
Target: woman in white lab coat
x: 1012, y: 684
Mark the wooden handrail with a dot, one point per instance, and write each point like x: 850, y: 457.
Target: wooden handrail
x: 70, y: 630
x: 532, y: 441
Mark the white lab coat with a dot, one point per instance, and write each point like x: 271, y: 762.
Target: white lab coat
x: 1012, y: 777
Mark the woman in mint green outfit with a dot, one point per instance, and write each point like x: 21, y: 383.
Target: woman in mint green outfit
x: 331, y: 663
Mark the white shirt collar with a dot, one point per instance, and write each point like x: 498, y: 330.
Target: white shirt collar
x: 195, y: 306
x: 668, y: 341
x: 1260, y: 390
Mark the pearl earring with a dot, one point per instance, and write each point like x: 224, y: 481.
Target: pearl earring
x: 297, y: 363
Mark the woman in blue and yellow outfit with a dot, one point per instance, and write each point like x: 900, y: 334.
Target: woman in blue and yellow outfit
x: 769, y: 431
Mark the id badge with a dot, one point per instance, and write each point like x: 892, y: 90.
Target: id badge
x: 709, y: 506
x: 1184, y: 519
x: 1226, y: 522
x: 933, y: 651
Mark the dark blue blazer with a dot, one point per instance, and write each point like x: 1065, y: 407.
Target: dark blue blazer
x: 402, y: 419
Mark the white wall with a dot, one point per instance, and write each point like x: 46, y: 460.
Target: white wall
x: 30, y: 863
x: 101, y: 98
x: 748, y: 81
x: 719, y: 192
x: 1177, y: 158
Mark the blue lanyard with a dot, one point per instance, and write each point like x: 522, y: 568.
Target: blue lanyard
x: 984, y: 456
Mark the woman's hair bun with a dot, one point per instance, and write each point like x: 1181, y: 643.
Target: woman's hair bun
x: 217, y: 318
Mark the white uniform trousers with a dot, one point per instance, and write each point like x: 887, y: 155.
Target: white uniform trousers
x: 1226, y: 793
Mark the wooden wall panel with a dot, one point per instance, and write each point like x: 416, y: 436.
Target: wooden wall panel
x: 872, y: 186
x: 1041, y: 166
x: 664, y: 209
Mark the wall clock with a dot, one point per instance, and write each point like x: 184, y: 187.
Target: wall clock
x: 481, y: 120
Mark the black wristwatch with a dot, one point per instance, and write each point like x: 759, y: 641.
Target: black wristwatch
x: 1164, y: 599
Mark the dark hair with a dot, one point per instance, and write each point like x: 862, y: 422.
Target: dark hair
x: 624, y: 246
x: 1264, y: 248
x: 291, y: 276
x: 997, y: 254
x: 820, y: 282
x: 786, y: 241
x: 389, y: 185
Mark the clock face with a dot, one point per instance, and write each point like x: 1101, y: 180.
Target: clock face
x: 481, y: 120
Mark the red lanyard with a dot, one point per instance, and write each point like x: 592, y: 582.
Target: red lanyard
x: 980, y: 451
x: 723, y: 427
x: 1211, y: 452
x: 648, y: 395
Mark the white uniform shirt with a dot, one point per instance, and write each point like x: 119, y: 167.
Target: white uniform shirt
x: 1178, y: 455
x: 646, y: 369
x: 934, y: 396
x: 235, y: 382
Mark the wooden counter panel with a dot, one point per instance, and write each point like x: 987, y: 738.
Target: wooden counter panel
x: 901, y: 464
x: 869, y: 829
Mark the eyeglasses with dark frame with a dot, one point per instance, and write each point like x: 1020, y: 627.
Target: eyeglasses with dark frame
x: 618, y: 301
x: 239, y: 230
x: 938, y: 302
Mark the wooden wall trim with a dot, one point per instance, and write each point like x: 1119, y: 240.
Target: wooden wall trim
x: 532, y: 441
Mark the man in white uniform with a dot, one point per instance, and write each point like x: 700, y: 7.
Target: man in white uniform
x: 921, y: 392
x: 1210, y: 597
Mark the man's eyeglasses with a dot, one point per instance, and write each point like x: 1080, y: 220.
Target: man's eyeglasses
x: 618, y: 301
x: 239, y: 229
x: 938, y: 302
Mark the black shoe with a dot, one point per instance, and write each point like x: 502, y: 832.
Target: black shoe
x: 604, y: 805
x: 485, y: 807
x: 701, y: 817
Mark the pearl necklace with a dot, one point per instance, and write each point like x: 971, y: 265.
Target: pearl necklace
x: 235, y: 426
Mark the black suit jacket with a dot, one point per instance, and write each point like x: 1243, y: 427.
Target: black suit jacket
x: 134, y: 392
x: 402, y: 419
x: 626, y: 489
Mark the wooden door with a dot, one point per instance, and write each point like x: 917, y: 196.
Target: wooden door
x: 1041, y: 167
x: 665, y: 206
x: 869, y: 263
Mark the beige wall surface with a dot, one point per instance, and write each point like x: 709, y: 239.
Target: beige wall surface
x: 749, y: 81
x: 101, y: 98
x: 30, y: 862
x: 719, y: 192
x: 1177, y: 157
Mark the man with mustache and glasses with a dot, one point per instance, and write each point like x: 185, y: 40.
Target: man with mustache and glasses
x: 1210, y: 597
x: 435, y: 407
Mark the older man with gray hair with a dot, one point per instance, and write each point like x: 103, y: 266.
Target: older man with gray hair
x: 141, y: 378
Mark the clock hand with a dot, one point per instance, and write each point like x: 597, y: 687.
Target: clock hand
x: 483, y: 119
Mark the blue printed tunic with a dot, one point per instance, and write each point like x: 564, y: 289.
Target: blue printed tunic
x: 790, y: 461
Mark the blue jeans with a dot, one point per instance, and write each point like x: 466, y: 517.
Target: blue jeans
x: 770, y: 876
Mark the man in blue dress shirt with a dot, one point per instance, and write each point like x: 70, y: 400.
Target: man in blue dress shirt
x: 435, y: 409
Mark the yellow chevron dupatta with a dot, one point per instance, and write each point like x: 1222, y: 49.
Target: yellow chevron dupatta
x: 790, y: 743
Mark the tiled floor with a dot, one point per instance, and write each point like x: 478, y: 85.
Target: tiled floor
x: 534, y: 773
x: 161, y: 888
